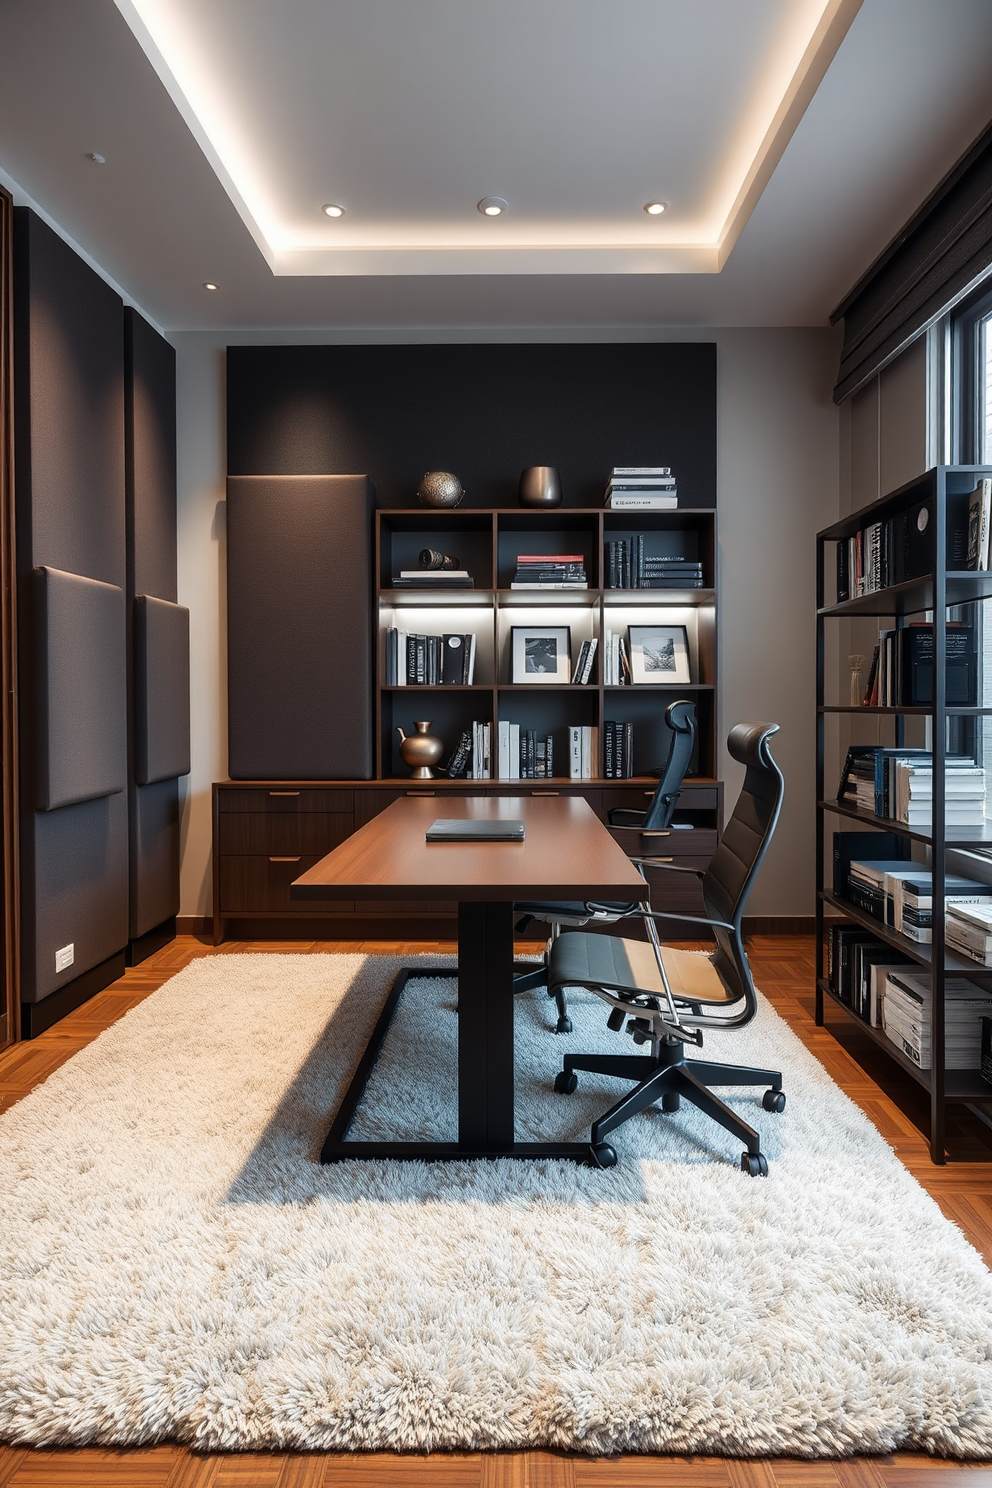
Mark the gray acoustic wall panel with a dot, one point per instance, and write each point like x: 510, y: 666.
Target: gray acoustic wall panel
x: 159, y: 630
x: 81, y: 729
x: 150, y: 423
x: 78, y: 892
x: 299, y: 627
x: 161, y: 690
x: 154, y: 856
x: 69, y: 493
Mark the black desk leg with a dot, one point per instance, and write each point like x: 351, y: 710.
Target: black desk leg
x: 485, y: 1025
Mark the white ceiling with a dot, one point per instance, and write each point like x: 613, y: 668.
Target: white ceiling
x: 231, y: 121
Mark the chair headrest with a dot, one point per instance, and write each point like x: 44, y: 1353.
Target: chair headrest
x: 748, y: 743
x: 681, y: 716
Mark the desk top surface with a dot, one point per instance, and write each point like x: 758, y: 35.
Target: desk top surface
x: 567, y: 854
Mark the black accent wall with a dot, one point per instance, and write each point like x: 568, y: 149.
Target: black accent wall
x: 483, y: 412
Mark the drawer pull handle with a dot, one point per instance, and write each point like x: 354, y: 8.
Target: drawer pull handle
x: 664, y: 860
x: 649, y: 794
x: 284, y: 793
x: 285, y: 860
x: 545, y: 793
x: 421, y: 793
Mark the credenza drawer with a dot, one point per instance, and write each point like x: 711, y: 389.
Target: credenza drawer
x: 260, y: 884
x: 639, y: 797
x: 696, y: 843
x: 285, y: 798
x: 261, y: 833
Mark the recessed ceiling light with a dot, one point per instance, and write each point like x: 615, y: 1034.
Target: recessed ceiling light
x: 492, y: 206
x: 331, y: 209
x: 655, y: 209
x: 208, y: 284
x: 96, y: 159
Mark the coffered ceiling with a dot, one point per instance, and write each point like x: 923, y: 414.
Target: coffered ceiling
x: 788, y: 138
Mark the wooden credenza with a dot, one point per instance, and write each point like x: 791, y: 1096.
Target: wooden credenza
x: 267, y: 832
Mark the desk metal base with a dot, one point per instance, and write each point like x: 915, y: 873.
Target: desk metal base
x: 485, y: 1056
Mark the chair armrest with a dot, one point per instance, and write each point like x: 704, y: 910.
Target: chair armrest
x: 624, y: 816
x: 670, y: 867
x: 675, y: 914
x: 641, y: 831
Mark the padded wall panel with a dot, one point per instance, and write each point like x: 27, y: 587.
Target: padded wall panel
x: 78, y: 892
x: 81, y: 731
x: 150, y: 418
x: 69, y: 491
x: 161, y: 690
x: 299, y: 627
x: 154, y: 857
x: 159, y: 630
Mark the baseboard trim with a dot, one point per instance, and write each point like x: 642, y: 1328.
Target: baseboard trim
x: 779, y: 924
x: 194, y: 924
x: 143, y: 946
x: 37, y: 1016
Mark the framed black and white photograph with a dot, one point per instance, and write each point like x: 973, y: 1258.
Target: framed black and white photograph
x: 539, y: 654
x: 659, y: 654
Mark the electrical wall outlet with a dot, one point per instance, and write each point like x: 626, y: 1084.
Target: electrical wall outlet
x: 65, y: 957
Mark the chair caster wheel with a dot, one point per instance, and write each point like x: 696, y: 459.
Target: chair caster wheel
x: 671, y: 1100
x: 566, y: 1081
x: 773, y: 1100
x: 564, y: 1025
x: 604, y: 1156
x: 754, y: 1164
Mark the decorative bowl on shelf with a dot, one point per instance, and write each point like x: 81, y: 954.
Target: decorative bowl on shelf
x: 439, y: 488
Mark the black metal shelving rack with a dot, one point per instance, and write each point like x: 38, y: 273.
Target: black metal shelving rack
x: 944, y: 489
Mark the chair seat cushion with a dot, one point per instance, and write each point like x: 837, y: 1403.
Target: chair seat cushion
x: 621, y: 966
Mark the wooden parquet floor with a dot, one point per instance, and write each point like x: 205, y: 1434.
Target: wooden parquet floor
x: 783, y: 968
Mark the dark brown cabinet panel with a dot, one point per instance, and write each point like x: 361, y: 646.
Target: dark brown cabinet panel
x: 285, y: 799
x: 247, y: 832
x: 260, y: 885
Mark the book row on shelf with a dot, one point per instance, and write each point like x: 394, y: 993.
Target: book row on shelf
x: 628, y: 566
x: 897, y: 784
x: 528, y: 754
x: 901, y: 670
x: 550, y: 571
x: 641, y: 488
x: 895, y: 995
x: 429, y: 660
x: 900, y: 547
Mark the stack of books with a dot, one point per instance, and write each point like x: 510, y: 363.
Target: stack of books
x: 582, y: 671
x: 618, y: 749
x: 964, y: 794
x: 583, y: 752
x: 433, y: 578
x: 909, y: 899
x: 641, y: 488
x: 523, y: 754
x: 906, y: 1005
x: 429, y: 660
x: 968, y: 928
x: 550, y: 571
x: 670, y: 573
x: 898, y: 784
x: 857, y: 963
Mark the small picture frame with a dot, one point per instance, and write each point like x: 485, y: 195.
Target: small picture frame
x: 540, y: 653
x: 659, y: 654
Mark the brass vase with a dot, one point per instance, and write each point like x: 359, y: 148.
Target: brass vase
x: 420, y: 750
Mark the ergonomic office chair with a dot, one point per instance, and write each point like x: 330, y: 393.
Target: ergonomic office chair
x: 667, y: 996
x: 680, y: 718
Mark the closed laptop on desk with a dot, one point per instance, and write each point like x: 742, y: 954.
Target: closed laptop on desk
x: 467, y: 829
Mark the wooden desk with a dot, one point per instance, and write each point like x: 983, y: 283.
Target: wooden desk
x: 567, y: 854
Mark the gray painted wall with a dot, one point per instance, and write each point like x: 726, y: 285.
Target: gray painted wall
x: 778, y: 479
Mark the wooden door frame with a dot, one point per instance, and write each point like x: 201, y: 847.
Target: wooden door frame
x: 10, y: 1003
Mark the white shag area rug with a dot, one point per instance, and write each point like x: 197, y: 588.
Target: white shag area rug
x: 175, y: 1265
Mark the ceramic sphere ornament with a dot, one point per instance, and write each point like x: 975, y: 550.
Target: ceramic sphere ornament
x: 539, y: 486
x: 440, y: 488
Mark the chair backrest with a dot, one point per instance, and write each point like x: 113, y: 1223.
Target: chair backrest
x: 681, y: 719
x: 741, y: 851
